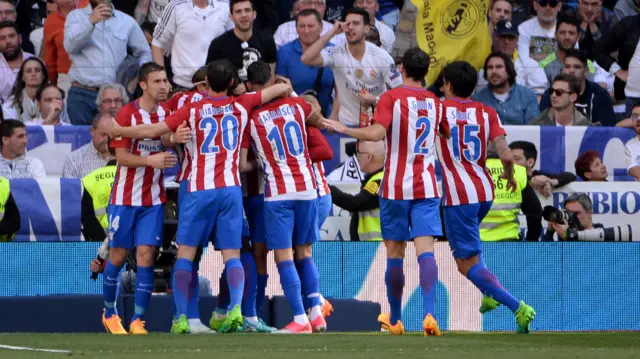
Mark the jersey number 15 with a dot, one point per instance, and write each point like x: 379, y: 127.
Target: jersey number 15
x: 470, y: 144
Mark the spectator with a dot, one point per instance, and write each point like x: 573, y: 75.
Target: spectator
x: 243, y: 45
x: 149, y: 11
x: 595, y: 21
x: 567, y: 34
x: 186, y: 30
x: 537, y: 35
x: 8, y: 13
x: 626, y: 8
x: 111, y: 98
x: 94, y: 154
x: 499, y: 10
x: 632, y: 147
x: 514, y: 103
x: 387, y: 37
x: 21, y: 104
x: 623, y: 39
x: 580, y: 204
x: 564, y: 93
x: 11, y: 57
x: 287, y: 31
x: 390, y: 12
x: 362, y: 70
x: 593, y: 101
x: 14, y: 163
x: 98, y: 35
x: 50, y: 101
x: 525, y: 154
x: 590, y: 168
x: 528, y: 73
x: 55, y: 56
x: 304, y: 77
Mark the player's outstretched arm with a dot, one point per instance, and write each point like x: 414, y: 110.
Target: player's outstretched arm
x: 275, y: 91
x: 159, y: 160
x: 506, y: 157
x: 375, y: 132
x: 140, y: 131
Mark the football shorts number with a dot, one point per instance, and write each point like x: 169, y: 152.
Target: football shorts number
x: 229, y: 125
x: 292, y: 139
x: 470, y: 144
x: 114, y: 223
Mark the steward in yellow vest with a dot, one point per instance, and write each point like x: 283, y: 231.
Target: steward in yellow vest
x: 501, y: 223
x: 9, y: 214
x: 95, y: 199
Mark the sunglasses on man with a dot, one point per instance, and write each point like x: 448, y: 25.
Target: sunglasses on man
x: 551, y: 3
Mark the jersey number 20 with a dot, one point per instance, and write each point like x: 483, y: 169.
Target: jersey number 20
x: 229, y: 126
x: 292, y: 140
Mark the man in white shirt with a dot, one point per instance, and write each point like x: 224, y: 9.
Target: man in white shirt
x: 537, y: 35
x: 632, y: 147
x: 11, y: 57
x: 50, y: 101
x: 94, y: 154
x: 387, y: 37
x: 149, y: 10
x: 186, y: 28
x: 287, y: 31
x: 362, y: 70
x: 13, y: 161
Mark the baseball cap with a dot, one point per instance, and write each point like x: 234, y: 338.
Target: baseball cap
x: 505, y: 27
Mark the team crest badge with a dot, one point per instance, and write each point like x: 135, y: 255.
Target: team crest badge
x: 373, y: 74
x: 359, y: 73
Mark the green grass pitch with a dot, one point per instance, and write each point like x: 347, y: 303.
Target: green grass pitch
x: 328, y: 345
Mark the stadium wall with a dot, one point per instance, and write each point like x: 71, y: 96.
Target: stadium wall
x: 572, y: 286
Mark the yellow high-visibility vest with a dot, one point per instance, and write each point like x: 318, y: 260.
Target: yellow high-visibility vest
x: 5, y: 190
x: 369, y: 221
x: 98, y: 183
x: 501, y: 223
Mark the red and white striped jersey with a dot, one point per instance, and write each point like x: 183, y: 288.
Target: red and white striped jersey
x: 463, y: 156
x: 278, y: 134
x: 216, y: 126
x: 411, y: 117
x: 321, y: 180
x: 138, y: 186
x: 252, y: 182
x: 184, y: 156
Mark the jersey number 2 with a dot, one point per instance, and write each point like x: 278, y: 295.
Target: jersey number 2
x: 421, y: 146
x: 293, y: 140
x: 229, y: 125
x: 469, y: 139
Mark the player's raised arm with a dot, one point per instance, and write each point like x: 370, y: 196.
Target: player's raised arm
x: 275, y: 91
x: 174, y: 123
x: 506, y: 157
x: 313, y: 55
x: 159, y: 160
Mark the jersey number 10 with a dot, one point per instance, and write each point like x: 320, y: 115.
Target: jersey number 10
x: 292, y: 140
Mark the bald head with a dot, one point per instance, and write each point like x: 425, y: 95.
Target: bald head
x: 377, y: 149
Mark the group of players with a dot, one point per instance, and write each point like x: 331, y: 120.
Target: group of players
x: 220, y: 132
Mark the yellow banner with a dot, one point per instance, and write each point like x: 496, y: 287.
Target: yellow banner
x: 450, y: 30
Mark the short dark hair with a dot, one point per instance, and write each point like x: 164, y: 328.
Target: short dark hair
x: 415, y: 63
x: 200, y: 75
x: 259, y: 73
x: 148, y: 68
x: 565, y: 18
x: 508, y: 66
x: 233, y: 3
x: 462, y: 77
x: 574, y: 84
x: 635, y: 104
x: 528, y: 148
x: 493, y: 3
x: 7, y: 127
x: 358, y: 11
x: 221, y: 75
x: 42, y: 88
x: 577, y: 54
x: 8, y: 23
x: 583, y: 163
x: 148, y: 27
x: 309, y: 12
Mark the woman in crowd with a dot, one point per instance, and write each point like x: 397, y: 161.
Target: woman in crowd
x: 21, y: 104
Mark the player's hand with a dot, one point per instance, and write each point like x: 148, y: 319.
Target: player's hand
x: 239, y: 89
x: 512, y: 185
x: 162, y: 160
x: 366, y: 99
x: 336, y: 126
x: 95, y: 266
x: 101, y: 12
x: 182, y: 134
x: 114, y: 129
x: 338, y: 27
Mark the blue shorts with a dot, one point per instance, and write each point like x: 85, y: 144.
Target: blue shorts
x: 462, y: 226
x: 402, y: 220
x: 133, y: 226
x: 182, y: 192
x: 291, y: 223
x: 214, y: 214
x: 245, y: 228
x: 254, y: 211
x: 324, y: 208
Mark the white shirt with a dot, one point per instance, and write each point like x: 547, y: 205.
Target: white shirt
x: 528, y: 74
x: 633, y: 82
x: 287, y: 32
x: 632, y: 150
x: 83, y: 161
x: 532, y: 35
x: 8, y: 75
x: 156, y: 8
x: 22, y: 167
x: 189, y: 31
x: 36, y: 38
x: 38, y: 121
x: 375, y: 72
x: 387, y: 36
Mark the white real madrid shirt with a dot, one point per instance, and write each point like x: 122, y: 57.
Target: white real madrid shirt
x: 632, y: 150
x: 375, y: 72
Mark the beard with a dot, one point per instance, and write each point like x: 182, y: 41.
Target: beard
x: 12, y: 54
x: 500, y: 84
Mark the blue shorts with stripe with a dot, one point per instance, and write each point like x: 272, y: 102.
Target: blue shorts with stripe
x: 133, y: 226
x: 404, y: 220
x: 462, y: 226
x: 291, y: 223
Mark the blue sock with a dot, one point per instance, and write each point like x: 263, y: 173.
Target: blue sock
x: 109, y: 286
x: 192, y: 308
x: 489, y: 285
x: 291, y: 286
x: 310, y: 279
x: 144, y: 290
x: 262, y: 287
x: 173, y: 302
x: 428, y: 280
x: 235, y: 279
x: 305, y: 301
x: 181, y: 283
x: 223, y: 295
x: 394, y: 277
x: 481, y: 260
x: 250, y: 285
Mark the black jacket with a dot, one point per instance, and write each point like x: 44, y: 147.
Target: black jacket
x: 623, y: 38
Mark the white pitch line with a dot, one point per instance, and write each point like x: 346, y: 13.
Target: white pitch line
x: 11, y: 347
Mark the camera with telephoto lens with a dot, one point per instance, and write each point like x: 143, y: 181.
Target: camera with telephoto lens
x: 612, y: 234
x: 561, y: 216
